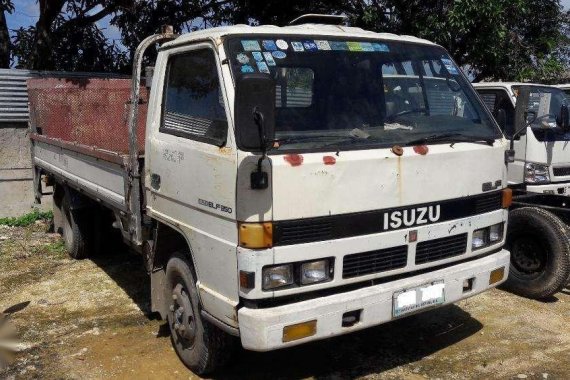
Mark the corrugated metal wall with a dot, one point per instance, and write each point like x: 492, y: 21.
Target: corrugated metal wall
x: 14, y: 95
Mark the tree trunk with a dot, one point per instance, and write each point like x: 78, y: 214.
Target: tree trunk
x: 42, y: 54
x: 4, y: 42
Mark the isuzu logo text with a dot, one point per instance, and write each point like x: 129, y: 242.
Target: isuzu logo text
x: 411, y: 217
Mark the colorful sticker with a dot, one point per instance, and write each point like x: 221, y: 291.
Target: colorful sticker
x: 310, y: 45
x: 449, y: 66
x: 263, y: 68
x: 282, y: 44
x: 250, y: 45
x: 257, y: 56
x: 338, y: 45
x: 323, y: 45
x: 247, y: 69
x: 380, y: 47
x: 242, y: 58
x: 366, y: 46
x: 354, y: 46
x: 269, y: 58
x: 279, y: 54
x: 297, y: 46
x: 269, y: 45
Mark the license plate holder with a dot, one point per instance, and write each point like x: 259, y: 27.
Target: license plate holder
x: 420, y: 297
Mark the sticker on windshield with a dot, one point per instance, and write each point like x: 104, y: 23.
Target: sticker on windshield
x: 338, y: 45
x: 310, y: 45
x: 269, y: 45
x: 247, y: 69
x: 279, y: 54
x: 257, y: 56
x: 282, y: 44
x: 297, y: 46
x: 366, y: 46
x: 269, y: 58
x: 250, y: 45
x: 354, y: 46
x: 380, y: 47
x: 242, y: 58
x: 449, y: 66
x: 323, y: 45
x: 263, y: 68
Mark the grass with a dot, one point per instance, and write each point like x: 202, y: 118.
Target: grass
x: 28, y: 219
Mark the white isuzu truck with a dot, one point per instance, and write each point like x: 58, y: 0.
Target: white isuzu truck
x: 535, y: 116
x: 295, y: 183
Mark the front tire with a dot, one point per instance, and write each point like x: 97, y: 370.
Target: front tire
x: 540, y: 253
x: 202, y: 347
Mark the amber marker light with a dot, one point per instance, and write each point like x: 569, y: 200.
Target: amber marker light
x: 256, y: 235
x: 507, y: 198
x: 496, y: 275
x: 299, y: 331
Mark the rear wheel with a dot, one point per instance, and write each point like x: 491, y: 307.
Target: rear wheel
x: 76, y: 231
x: 202, y: 347
x: 540, y: 253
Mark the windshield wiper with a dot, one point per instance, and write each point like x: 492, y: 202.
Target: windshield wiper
x: 292, y: 140
x: 451, y: 137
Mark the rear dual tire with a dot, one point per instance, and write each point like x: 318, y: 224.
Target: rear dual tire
x: 540, y: 253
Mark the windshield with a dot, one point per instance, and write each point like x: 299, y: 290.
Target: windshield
x: 544, y: 110
x: 358, y: 94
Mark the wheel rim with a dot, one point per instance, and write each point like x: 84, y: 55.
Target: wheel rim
x: 183, y: 321
x: 528, y: 255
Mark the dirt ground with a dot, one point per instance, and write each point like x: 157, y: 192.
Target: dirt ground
x: 90, y: 320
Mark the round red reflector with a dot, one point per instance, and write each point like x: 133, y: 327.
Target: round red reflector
x: 294, y: 159
x: 421, y: 149
x: 329, y: 160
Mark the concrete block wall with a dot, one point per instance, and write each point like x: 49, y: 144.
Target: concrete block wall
x: 16, y: 187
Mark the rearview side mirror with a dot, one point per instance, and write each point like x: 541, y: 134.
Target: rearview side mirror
x: 564, y: 119
x: 502, y: 121
x: 254, y: 111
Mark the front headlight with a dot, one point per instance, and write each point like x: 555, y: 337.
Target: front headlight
x: 487, y: 236
x: 536, y: 173
x: 277, y: 276
x: 316, y: 271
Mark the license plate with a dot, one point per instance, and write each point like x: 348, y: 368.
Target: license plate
x: 420, y: 297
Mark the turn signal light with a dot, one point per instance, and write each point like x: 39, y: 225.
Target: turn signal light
x: 496, y: 275
x: 256, y: 235
x: 299, y: 331
x: 507, y: 198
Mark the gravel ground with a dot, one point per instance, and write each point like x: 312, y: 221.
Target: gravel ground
x: 90, y: 320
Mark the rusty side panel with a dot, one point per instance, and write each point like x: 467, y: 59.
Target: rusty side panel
x: 88, y: 112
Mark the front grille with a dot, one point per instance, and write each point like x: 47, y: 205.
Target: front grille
x: 360, y: 264
x: 305, y: 231
x: 439, y: 249
x: 488, y: 202
x: 561, y: 172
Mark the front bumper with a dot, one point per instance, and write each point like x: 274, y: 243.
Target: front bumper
x: 262, y: 329
x: 562, y: 188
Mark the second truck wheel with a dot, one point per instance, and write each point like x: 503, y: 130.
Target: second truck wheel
x: 540, y: 253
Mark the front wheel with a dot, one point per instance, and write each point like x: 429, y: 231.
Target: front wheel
x: 202, y: 347
x: 540, y: 253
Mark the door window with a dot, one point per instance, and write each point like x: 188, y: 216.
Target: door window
x: 193, y: 103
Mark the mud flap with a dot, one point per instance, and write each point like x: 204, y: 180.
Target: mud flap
x: 157, y: 292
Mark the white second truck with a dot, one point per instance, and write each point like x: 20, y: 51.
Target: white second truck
x: 295, y: 183
x: 536, y: 117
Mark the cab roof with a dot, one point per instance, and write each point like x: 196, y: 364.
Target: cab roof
x: 303, y: 29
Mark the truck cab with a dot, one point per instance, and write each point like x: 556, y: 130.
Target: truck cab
x: 542, y: 154
x: 298, y: 183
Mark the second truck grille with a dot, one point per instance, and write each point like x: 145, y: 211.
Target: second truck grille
x: 439, y: 249
x: 561, y: 172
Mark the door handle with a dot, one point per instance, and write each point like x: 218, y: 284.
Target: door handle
x: 155, y: 181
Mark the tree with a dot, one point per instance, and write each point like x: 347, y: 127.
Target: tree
x: 66, y: 37
x: 6, y: 6
x: 493, y: 39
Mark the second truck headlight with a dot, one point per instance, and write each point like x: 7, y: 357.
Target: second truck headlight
x: 316, y: 271
x: 277, y: 276
x: 536, y: 173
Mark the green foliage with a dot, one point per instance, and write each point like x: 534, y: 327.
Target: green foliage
x: 28, y: 219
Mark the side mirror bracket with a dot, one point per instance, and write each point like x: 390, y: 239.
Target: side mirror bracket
x: 260, y: 179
